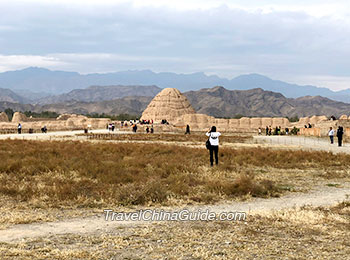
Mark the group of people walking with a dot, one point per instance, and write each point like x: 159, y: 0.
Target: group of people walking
x: 339, y: 134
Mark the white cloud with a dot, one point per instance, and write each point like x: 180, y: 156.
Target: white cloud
x: 282, y: 39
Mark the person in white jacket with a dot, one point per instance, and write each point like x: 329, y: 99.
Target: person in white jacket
x: 214, y: 144
x: 331, y: 134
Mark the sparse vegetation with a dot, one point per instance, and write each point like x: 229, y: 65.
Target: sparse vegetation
x: 89, y: 175
x: 9, y: 112
x: 43, y: 114
x: 306, y: 233
x: 168, y: 137
x: 120, y: 117
x: 293, y: 119
x: 93, y: 175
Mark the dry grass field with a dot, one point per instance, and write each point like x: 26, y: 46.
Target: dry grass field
x: 321, y: 233
x: 170, y: 137
x: 53, y: 180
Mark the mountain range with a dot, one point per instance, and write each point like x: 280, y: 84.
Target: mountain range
x: 32, y: 84
x: 217, y: 101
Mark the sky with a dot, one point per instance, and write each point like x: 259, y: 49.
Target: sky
x: 294, y: 41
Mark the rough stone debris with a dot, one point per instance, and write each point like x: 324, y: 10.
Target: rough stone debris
x: 3, y: 117
x: 169, y: 104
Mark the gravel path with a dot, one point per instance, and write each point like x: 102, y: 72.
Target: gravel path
x: 305, y: 143
x: 323, y: 196
x: 56, y: 135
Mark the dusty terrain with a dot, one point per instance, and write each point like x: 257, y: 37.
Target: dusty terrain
x: 308, y: 218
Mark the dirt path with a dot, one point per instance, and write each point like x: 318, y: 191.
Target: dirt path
x: 302, y: 142
x: 323, y: 196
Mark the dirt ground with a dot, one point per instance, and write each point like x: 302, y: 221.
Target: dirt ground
x: 308, y: 224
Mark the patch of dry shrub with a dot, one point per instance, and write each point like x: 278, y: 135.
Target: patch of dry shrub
x: 86, y: 174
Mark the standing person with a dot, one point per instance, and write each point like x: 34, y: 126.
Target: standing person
x: 259, y: 131
x: 331, y: 134
x: 187, y: 130
x: 147, y: 130
x: 340, y: 135
x: 214, y: 144
x: 267, y: 130
x: 19, y: 128
x: 152, y: 130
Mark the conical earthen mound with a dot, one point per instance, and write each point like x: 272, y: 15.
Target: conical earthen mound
x: 18, y: 117
x: 3, y: 117
x: 169, y: 104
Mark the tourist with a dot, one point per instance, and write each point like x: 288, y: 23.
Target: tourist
x: 214, y: 144
x: 19, y: 128
x: 147, y: 129
x: 267, y: 130
x: 134, y: 128
x: 259, y: 131
x: 340, y: 133
x: 187, y: 130
x: 287, y: 130
x: 331, y: 134
x: 113, y: 127
x: 44, y: 129
x: 152, y: 130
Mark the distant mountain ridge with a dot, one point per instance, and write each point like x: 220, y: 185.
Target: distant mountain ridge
x: 10, y: 96
x: 217, y: 102
x: 101, y: 93
x: 41, y: 80
x: 220, y: 102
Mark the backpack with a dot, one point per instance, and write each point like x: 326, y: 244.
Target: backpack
x: 207, y: 143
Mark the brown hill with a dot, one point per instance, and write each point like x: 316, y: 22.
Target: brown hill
x: 217, y: 101
x: 220, y: 102
x: 101, y: 93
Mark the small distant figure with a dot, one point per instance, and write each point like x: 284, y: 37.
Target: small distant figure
x: 134, y: 128
x: 187, y: 130
x: 147, y: 129
x: 287, y: 130
x: 340, y: 133
x: 309, y: 126
x: 267, y: 130
x: 113, y: 127
x: 152, y: 130
x: 44, y: 129
x: 333, y: 118
x: 331, y: 135
x: 259, y: 131
x: 270, y: 130
x: 19, y: 128
x: 214, y: 145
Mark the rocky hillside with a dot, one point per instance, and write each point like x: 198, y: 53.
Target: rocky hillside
x: 101, y: 93
x: 126, y: 105
x: 220, y: 102
x: 10, y: 96
x: 217, y: 101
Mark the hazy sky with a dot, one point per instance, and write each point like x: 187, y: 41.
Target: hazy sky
x: 287, y: 40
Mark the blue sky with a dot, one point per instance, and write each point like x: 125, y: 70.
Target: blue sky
x: 287, y: 40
